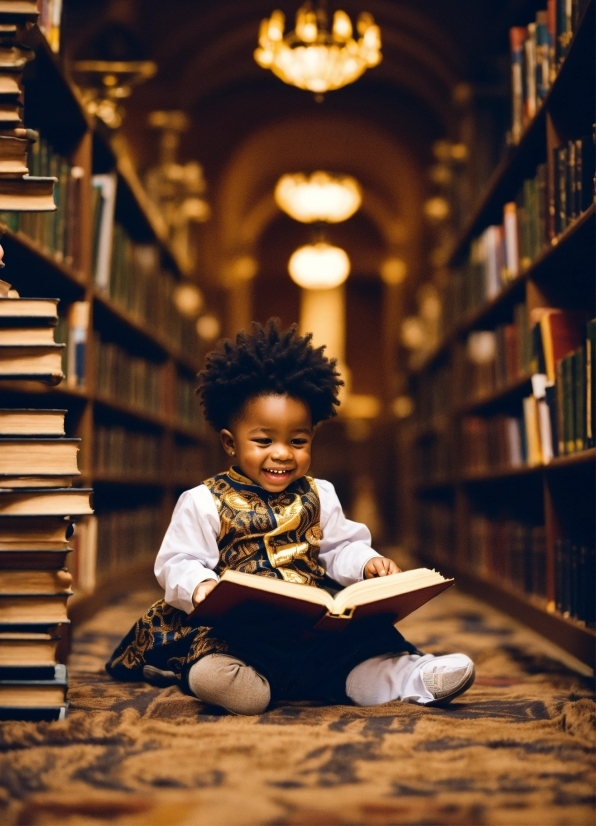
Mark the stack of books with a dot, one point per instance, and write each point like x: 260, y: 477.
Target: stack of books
x: 18, y: 190
x: 37, y: 463
x: 37, y: 501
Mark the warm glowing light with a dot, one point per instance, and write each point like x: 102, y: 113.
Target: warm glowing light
x: 319, y: 266
x: 314, y: 58
x: 243, y: 268
x: 320, y: 197
x: 413, y: 332
x: 208, y: 327
x: 394, y: 271
x: 188, y: 299
x: 402, y: 407
x: 437, y: 209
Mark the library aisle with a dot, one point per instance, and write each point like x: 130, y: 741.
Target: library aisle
x: 413, y: 183
x: 516, y: 749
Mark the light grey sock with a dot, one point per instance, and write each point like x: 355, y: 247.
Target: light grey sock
x: 222, y: 680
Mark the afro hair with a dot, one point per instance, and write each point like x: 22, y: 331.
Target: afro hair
x: 268, y: 361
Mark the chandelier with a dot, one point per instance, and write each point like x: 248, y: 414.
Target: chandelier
x: 319, y: 197
x: 314, y: 58
x: 319, y: 266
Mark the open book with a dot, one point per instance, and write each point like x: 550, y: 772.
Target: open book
x: 394, y: 596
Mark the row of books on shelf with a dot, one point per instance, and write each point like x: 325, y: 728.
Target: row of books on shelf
x: 189, y: 461
x: 513, y: 551
x: 556, y: 419
x: 553, y: 342
x: 509, y: 549
x: 531, y: 223
x: 57, y: 233
x: 124, y: 536
x: 120, y: 450
x: 135, y: 381
x: 142, y: 287
x: 537, y: 51
x: 131, y: 273
x: 141, y: 384
x: 575, y: 573
x: 187, y: 409
x: 493, y: 360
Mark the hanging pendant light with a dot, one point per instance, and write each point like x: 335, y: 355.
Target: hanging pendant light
x: 312, y: 57
x: 319, y: 266
x: 318, y: 197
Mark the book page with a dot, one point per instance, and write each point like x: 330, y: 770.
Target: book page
x: 293, y: 590
x: 372, y: 590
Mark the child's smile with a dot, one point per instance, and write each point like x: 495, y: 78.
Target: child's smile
x: 271, y: 441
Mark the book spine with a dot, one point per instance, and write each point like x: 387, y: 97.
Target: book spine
x: 564, y: 29
x: 511, y: 241
x: 551, y: 23
x: 591, y: 383
x: 542, y: 206
x: 78, y: 327
x: 560, y: 189
x: 559, y: 395
x: 542, y: 56
x: 570, y: 198
x: 517, y: 35
x: 579, y: 394
x: 529, y: 58
x: 568, y: 403
x: 551, y: 401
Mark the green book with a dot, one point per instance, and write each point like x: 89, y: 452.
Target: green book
x: 579, y: 395
x: 559, y: 397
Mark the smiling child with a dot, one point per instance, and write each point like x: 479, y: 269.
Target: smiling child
x: 265, y: 394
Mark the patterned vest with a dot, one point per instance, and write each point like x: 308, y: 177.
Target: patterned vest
x: 271, y: 534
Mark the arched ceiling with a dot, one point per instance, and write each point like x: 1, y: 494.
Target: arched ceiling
x: 248, y: 127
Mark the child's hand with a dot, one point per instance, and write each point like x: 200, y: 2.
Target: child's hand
x: 380, y: 566
x: 201, y: 591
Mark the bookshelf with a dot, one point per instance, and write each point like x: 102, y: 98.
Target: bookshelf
x: 516, y: 531
x: 143, y: 439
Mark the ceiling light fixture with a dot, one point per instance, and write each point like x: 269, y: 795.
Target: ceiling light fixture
x: 318, y: 197
x: 319, y: 266
x: 314, y: 58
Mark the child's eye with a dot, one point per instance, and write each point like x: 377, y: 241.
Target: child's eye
x: 299, y: 442
x: 262, y: 441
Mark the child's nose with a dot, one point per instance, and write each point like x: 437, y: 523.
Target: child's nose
x: 281, y: 452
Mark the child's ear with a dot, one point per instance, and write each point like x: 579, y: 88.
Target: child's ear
x: 227, y: 441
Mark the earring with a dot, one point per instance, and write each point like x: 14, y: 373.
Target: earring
x: 232, y: 452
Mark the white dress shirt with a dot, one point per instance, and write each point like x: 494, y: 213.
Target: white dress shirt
x: 189, y: 551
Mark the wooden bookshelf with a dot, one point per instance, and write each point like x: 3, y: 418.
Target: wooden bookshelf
x: 54, y: 108
x: 465, y: 518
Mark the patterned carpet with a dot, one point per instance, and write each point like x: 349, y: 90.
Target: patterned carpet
x: 517, y: 750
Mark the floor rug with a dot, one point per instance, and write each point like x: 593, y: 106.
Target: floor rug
x: 516, y: 750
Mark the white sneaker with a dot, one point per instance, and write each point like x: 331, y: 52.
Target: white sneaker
x: 445, y: 678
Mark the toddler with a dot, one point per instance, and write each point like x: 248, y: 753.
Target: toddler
x: 265, y: 393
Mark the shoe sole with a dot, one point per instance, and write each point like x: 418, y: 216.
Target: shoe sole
x: 157, y: 678
x: 446, y: 700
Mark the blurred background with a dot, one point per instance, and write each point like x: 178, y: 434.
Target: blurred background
x: 419, y: 133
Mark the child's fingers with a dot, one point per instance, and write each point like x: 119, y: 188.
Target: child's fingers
x: 202, y: 590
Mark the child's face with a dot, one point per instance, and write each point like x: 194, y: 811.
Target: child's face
x: 271, y: 441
